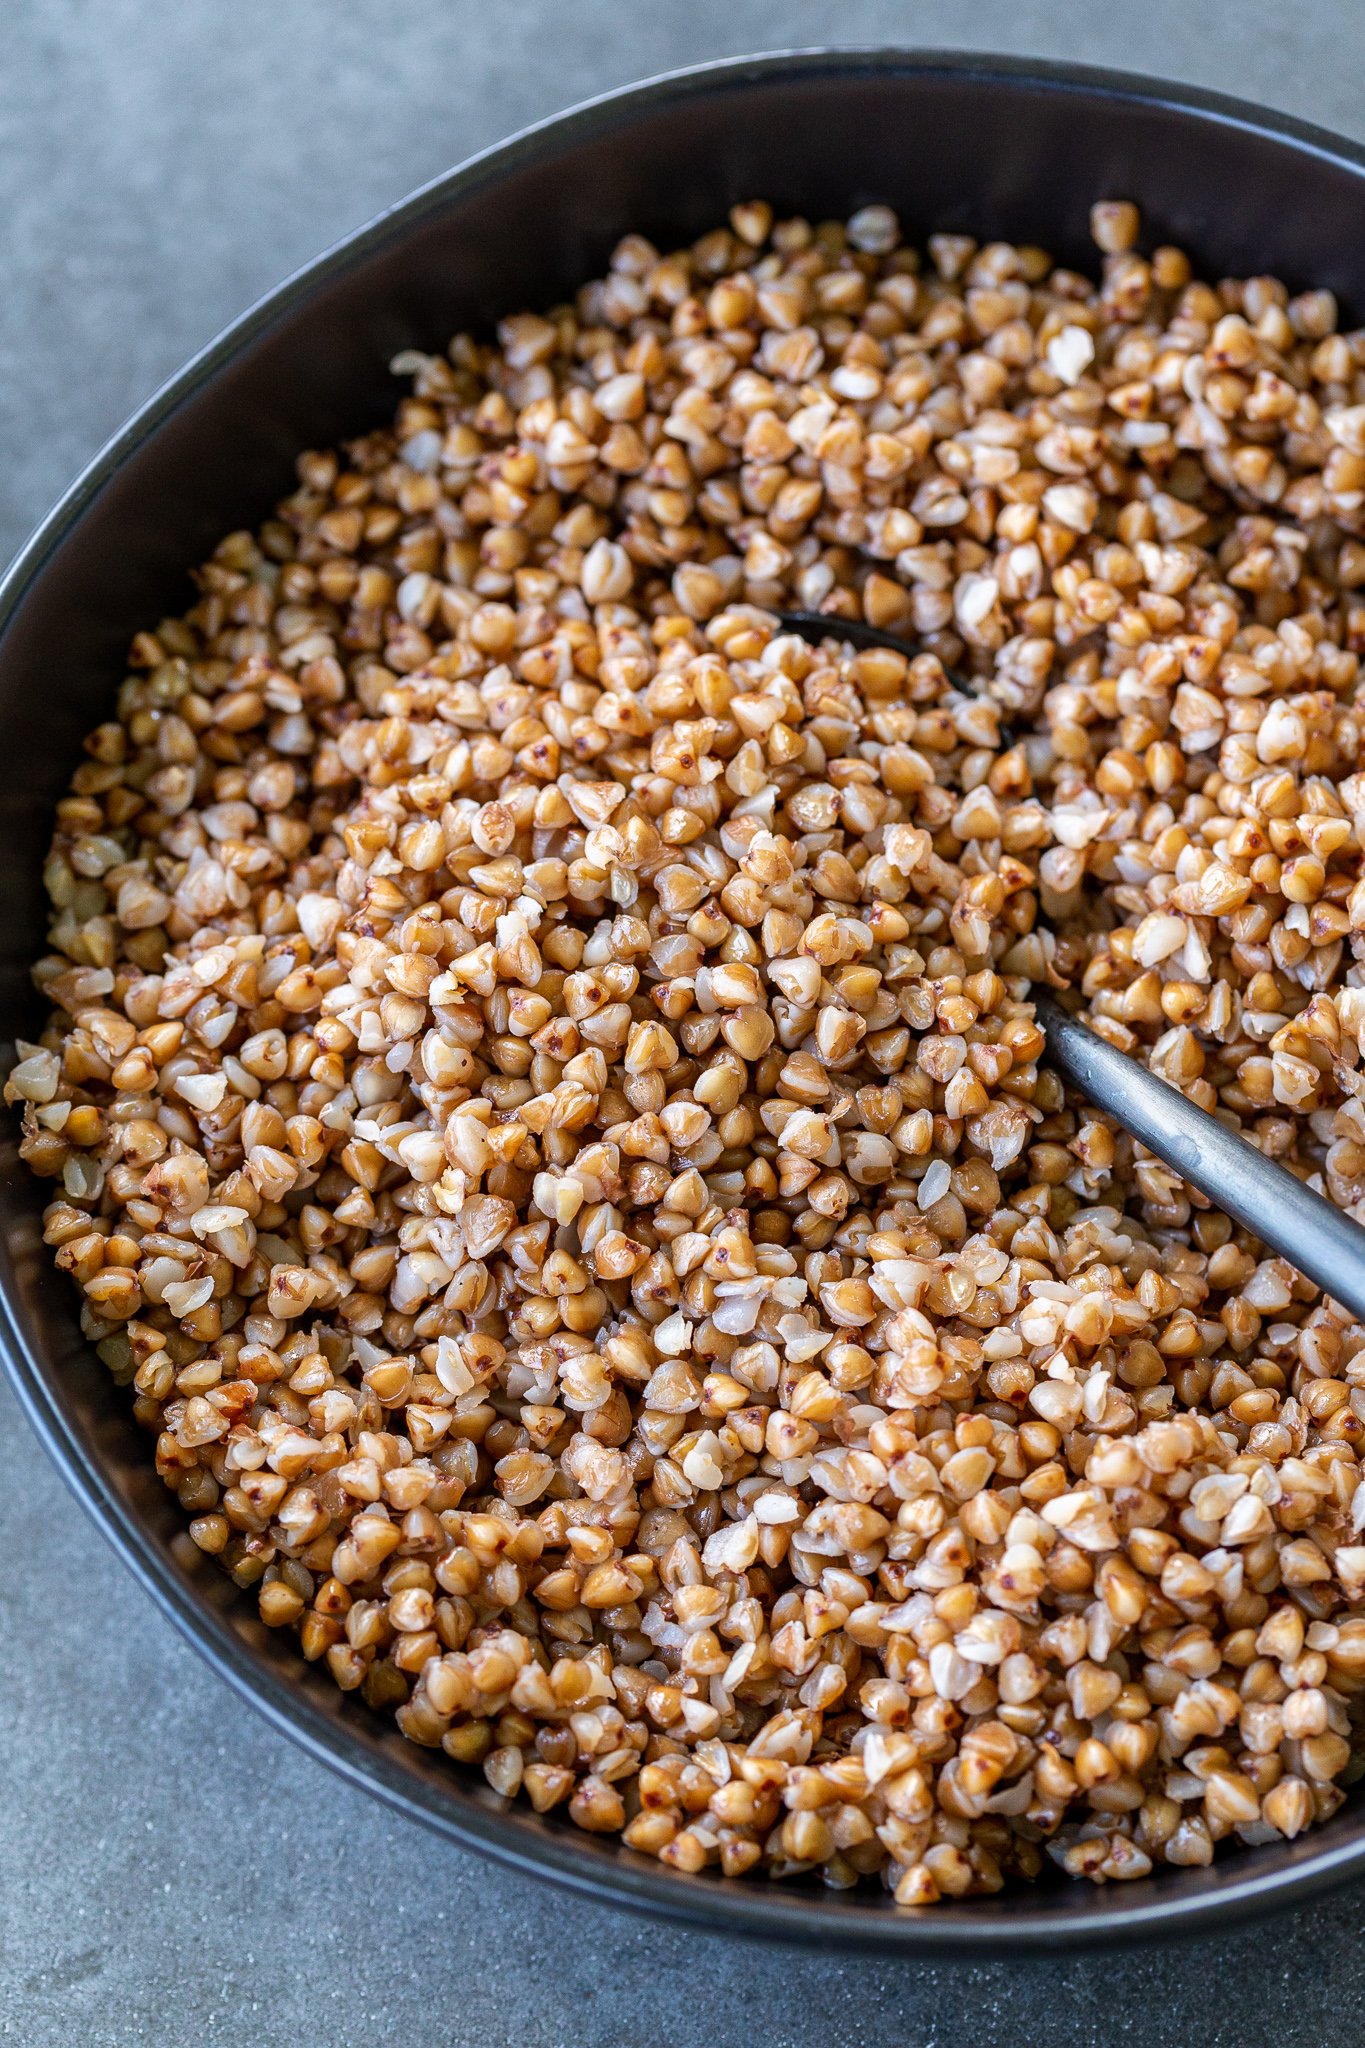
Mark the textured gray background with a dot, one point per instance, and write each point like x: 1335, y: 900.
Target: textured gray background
x: 170, y: 1871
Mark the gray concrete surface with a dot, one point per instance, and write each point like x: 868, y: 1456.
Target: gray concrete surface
x: 171, y: 1872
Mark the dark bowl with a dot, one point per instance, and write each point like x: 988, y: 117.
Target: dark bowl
x: 975, y: 143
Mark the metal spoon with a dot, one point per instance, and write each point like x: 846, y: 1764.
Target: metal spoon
x: 1266, y: 1198
x: 1283, y: 1211
x: 818, y: 626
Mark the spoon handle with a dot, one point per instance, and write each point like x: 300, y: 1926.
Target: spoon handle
x: 1307, y: 1229
x: 1266, y: 1198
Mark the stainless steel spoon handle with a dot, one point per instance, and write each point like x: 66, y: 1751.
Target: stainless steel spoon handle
x: 1266, y: 1198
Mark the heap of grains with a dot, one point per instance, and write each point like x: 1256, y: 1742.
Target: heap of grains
x: 543, y: 1096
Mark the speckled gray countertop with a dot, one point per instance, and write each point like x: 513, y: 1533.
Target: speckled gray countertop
x: 171, y: 1871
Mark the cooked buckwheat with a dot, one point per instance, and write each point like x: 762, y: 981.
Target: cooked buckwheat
x: 544, y: 1092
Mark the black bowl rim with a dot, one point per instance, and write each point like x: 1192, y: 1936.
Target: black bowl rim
x: 1010, y: 1925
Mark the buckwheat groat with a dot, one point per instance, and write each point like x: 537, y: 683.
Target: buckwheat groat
x: 543, y: 1090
